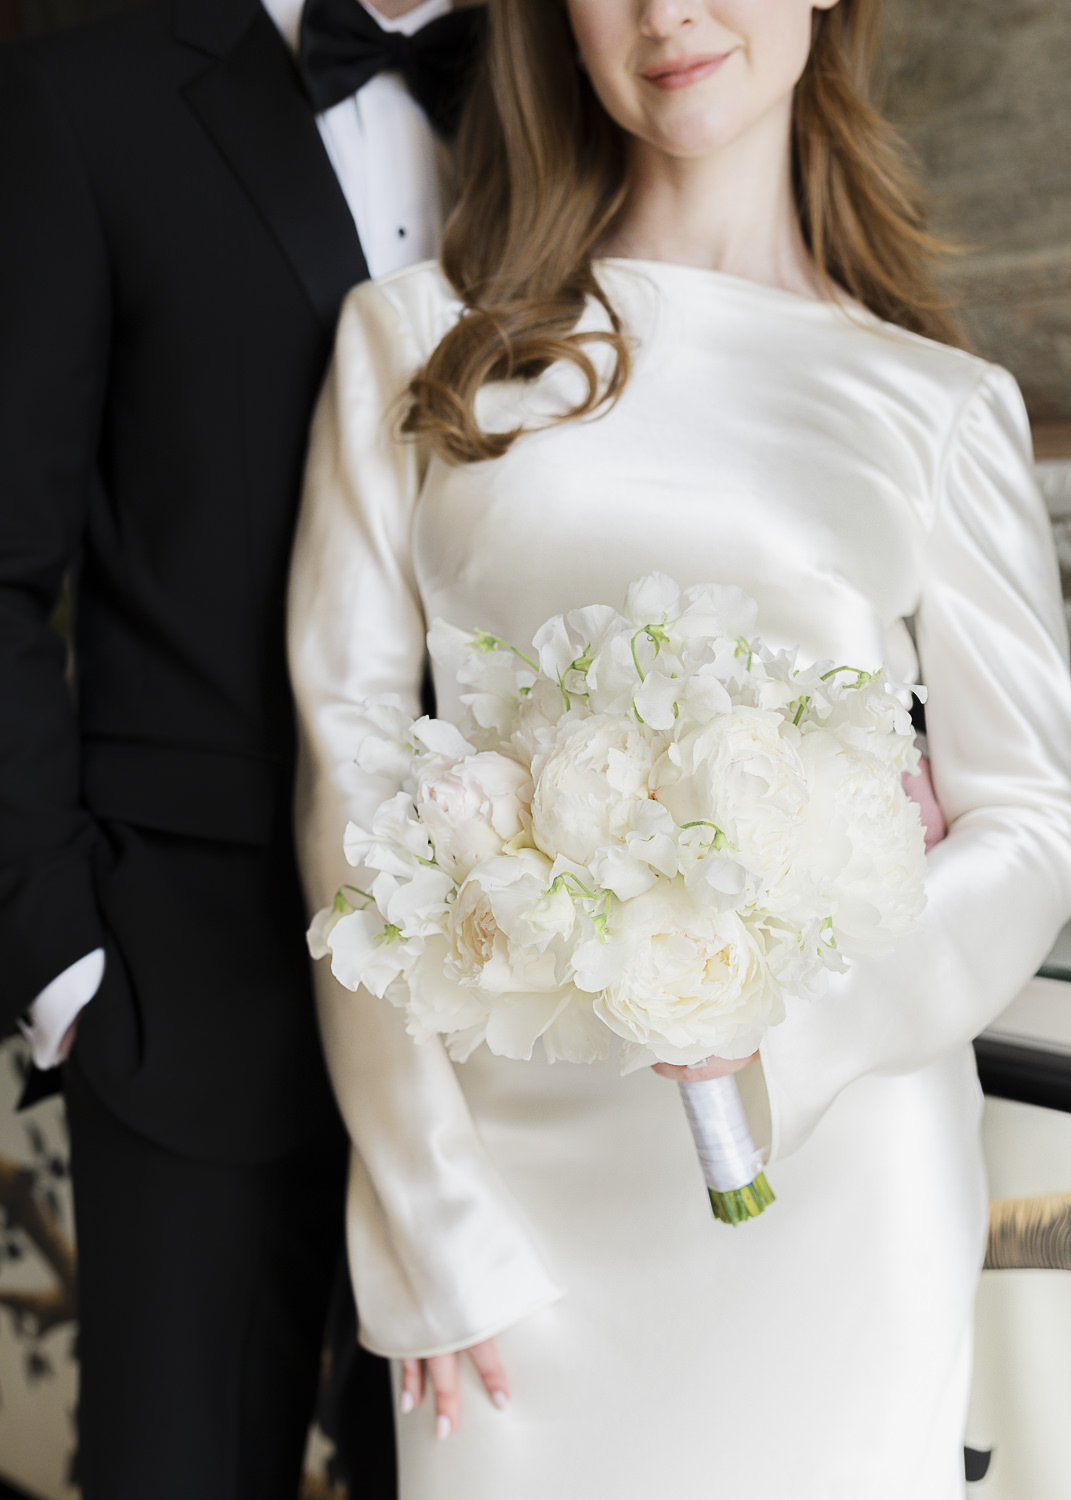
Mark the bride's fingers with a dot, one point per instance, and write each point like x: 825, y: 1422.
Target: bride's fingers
x: 442, y: 1372
x: 485, y: 1357
x: 714, y: 1067
x: 412, y: 1384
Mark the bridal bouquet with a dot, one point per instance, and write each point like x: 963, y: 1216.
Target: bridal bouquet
x: 647, y: 830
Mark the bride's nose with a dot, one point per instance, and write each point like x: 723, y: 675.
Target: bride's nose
x: 660, y: 19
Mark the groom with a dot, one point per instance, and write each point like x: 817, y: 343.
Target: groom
x: 188, y: 190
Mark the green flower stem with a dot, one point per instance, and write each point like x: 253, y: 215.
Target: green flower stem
x: 343, y: 905
x: 720, y: 840
x: 636, y: 660
x: 741, y: 1204
x: 484, y: 641
x: 862, y: 678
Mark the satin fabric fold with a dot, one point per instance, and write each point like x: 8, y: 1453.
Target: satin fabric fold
x: 871, y: 490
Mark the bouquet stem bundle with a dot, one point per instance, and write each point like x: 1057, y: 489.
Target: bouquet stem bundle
x: 732, y: 1165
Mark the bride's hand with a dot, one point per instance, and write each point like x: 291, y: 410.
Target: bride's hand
x: 441, y: 1370
x: 714, y: 1067
x: 920, y: 789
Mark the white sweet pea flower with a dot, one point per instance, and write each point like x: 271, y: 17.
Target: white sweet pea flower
x: 324, y: 923
x: 398, y: 841
x: 391, y: 751
x: 567, y: 644
x: 656, y: 697
x: 364, y: 951
x: 612, y: 676
x: 714, y: 614
x: 653, y: 599
x: 554, y: 914
x: 537, y: 721
x: 449, y: 647
x: 472, y: 808
x: 440, y: 737
x: 615, y: 869
x: 650, y: 849
x: 586, y: 784
x: 417, y: 905
x: 498, y: 674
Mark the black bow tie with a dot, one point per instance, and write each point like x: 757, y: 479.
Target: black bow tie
x: 342, y: 47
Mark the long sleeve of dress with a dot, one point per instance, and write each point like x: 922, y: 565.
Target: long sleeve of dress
x: 440, y: 1255
x: 993, y: 652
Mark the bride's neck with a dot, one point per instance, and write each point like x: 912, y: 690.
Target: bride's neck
x: 732, y: 211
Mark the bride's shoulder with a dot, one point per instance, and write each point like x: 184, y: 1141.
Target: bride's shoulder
x: 417, y: 303
x: 941, y: 383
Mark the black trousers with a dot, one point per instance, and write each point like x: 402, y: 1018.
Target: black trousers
x: 204, y: 1290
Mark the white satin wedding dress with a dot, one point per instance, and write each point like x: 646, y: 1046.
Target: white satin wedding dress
x: 850, y: 477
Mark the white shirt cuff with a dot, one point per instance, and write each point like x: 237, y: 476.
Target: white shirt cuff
x: 48, y: 1018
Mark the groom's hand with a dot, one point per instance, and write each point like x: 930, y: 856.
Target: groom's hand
x: 442, y: 1371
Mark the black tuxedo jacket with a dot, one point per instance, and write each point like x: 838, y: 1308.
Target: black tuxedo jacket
x: 174, y: 246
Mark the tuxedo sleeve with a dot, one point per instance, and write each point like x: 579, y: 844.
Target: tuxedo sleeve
x: 54, y: 314
x: 440, y: 1254
x: 993, y: 651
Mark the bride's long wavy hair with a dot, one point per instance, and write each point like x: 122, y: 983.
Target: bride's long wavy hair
x: 543, y: 170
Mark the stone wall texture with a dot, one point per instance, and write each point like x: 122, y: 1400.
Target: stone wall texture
x: 982, y: 91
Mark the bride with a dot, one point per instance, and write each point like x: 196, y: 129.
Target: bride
x: 683, y: 321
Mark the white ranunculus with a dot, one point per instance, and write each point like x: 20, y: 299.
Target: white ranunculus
x: 472, y: 808
x: 681, y: 981
x: 587, y: 782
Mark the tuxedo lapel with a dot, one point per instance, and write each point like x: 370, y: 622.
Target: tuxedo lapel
x: 249, y: 99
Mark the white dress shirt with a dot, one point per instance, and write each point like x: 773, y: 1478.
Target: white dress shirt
x: 384, y: 155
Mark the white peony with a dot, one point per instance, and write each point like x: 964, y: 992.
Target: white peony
x: 472, y: 808
x: 863, y: 844
x: 492, y: 944
x: 736, y: 788
x: 680, y: 981
x: 587, y: 783
x: 435, y: 1003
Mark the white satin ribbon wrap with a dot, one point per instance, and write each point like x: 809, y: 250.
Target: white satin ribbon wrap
x: 728, y: 1155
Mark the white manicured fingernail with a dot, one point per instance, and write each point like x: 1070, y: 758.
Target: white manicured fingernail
x: 407, y: 1402
x: 500, y: 1399
x: 442, y: 1426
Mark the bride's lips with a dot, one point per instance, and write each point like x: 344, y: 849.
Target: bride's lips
x: 682, y: 72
